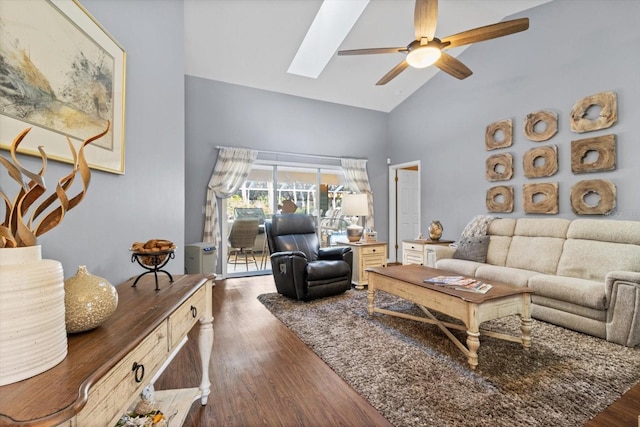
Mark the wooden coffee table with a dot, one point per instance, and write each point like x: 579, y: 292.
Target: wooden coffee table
x: 407, y: 282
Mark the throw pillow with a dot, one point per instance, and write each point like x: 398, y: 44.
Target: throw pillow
x: 472, y: 248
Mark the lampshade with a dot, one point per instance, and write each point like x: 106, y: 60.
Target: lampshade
x: 355, y: 205
x: 423, y: 56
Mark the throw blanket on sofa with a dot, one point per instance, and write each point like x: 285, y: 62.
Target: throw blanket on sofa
x: 478, y: 226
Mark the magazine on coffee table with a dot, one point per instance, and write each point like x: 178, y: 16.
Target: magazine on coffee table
x: 445, y: 280
x: 460, y: 283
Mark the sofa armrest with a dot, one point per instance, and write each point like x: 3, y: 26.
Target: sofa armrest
x: 622, y: 290
x: 441, y: 251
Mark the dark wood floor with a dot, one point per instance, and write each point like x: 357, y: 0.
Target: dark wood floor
x: 263, y: 375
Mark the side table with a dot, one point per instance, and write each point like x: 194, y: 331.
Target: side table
x: 415, y: 251
x: 366, y: 255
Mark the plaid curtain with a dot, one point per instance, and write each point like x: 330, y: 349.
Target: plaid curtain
x: 355, y: 171
x: 231, y: 171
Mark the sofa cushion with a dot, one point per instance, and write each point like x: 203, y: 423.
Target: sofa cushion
x: 472, y: 248
x: 542, y: 227
x: 592, y: 260
x: 587, y: 293
x: 511, y: 276
x: 502, y: 227
x: 498, y: 250
x: 540, y: 254
x: 605, y: 230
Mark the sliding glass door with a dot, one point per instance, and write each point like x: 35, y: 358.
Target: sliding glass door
x: 274, y: 188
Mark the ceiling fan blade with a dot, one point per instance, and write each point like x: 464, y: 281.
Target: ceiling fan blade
x: 451, y: 65
x: 425, y: 19
x: 372, y: 51
x: 487, y: 32
x: 393, y: 73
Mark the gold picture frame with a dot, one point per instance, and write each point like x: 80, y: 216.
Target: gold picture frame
x: 67, y: 79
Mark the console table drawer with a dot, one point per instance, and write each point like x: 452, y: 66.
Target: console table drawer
x: 113, y: 392
x: 183, y: 319
x: 376, y: 250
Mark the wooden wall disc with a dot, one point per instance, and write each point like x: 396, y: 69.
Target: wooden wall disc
x: 548, y: 194
x: 500, y: 199
x: 504, y: 127
x: 499, y: 167
x: 608, y: 104
x: 603, y: 146
x: 605, y: 189
x: 549, y: 166
x: 548, y: 118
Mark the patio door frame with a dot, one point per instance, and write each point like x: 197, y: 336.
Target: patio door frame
x: 224, y: 226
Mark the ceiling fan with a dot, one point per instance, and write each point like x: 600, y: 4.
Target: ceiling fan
x: 427, y: 49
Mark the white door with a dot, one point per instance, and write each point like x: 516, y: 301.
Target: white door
x: 403, y: 190
x: 408, y: 206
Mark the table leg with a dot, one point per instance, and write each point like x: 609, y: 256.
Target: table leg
x: 525, y: 322
x: 205, y: 344
x: 473, y: 339
x: 370, y: 298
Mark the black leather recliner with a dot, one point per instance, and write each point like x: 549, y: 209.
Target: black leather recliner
x: 301, y: 268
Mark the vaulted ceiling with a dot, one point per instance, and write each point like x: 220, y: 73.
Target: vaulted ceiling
x: 252, y: 43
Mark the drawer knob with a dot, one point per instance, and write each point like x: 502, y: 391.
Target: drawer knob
x: 194, y: 311
x: 138, y: 371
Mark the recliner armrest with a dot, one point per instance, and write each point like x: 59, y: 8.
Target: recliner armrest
x: 334, y: 252
x: 288, y: 253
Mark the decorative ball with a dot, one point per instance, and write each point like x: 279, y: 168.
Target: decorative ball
x: 89, y: 300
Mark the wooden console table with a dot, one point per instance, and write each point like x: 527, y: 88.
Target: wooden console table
x: 106, y: 368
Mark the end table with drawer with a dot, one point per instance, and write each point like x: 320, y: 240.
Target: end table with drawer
x: 415, y: 251
x: 367, y: 254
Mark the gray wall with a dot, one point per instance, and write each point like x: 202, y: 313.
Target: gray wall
x: 572, y: 49
x: 228, y: 115
x: 148, y: 200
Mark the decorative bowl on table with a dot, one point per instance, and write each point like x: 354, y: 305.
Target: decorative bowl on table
x: 153, y: 252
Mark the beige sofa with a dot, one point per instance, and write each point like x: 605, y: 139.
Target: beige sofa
x: 585, y: 273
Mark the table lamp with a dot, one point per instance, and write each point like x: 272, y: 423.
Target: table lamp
x: 355, y: 206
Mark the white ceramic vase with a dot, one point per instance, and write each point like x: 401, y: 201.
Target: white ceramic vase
x: 33, y: 337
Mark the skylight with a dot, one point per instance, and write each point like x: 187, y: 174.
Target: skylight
x: 329, y: 28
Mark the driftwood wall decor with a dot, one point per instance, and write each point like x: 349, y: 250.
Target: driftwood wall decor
x: 547, y: 119
x: 499, y: 167
x: 540, y: 198
x: 605, y: 190
x: 541, y: 161
x: 608, y: 105
x: 500, y: 199
x: 603, y: 146
x: 502, y: 128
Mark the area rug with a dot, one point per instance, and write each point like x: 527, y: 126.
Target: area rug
x: 415, y: 376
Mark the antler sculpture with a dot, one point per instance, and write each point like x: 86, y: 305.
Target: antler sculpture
x: 16, y: 230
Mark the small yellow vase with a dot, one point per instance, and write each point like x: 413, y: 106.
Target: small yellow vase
x: 89, y: 300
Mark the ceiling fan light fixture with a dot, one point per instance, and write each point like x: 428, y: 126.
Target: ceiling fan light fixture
x: 423, y: 56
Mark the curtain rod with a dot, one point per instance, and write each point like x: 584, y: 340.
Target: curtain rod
x: 315, y: 156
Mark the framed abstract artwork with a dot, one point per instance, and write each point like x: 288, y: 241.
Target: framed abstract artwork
x: 63, y: 76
